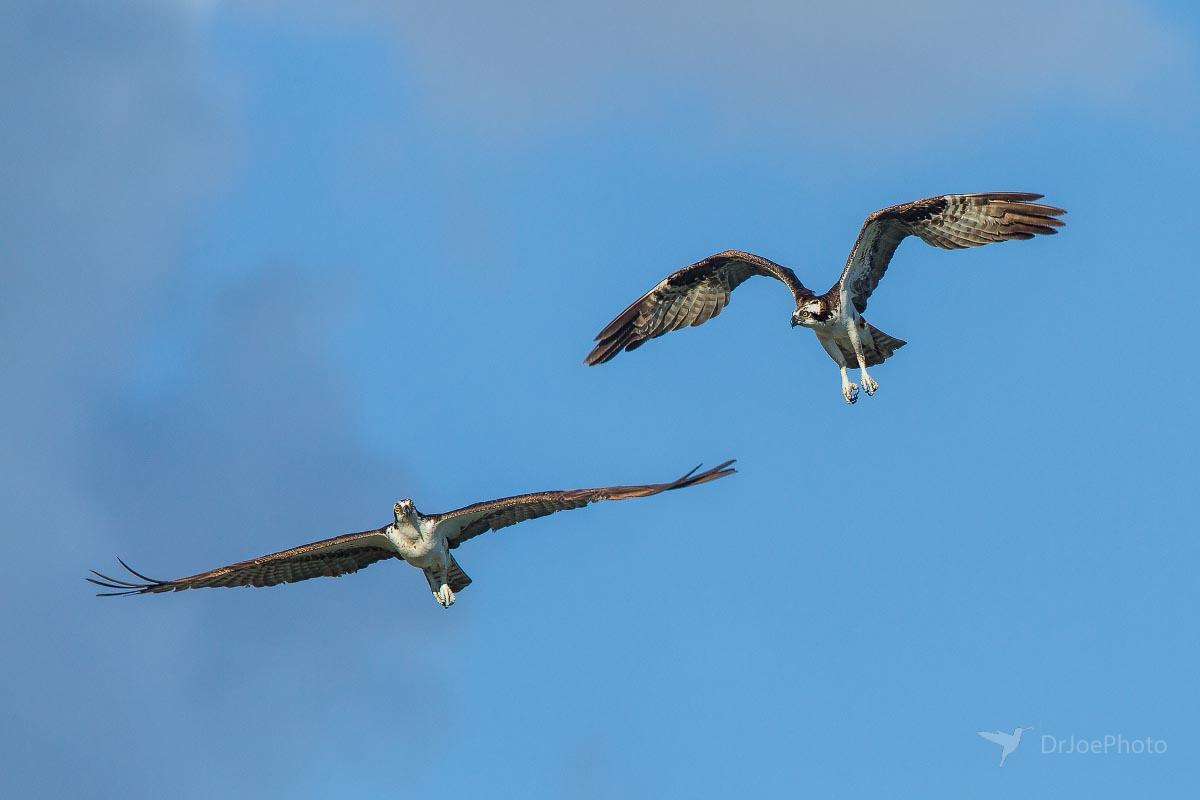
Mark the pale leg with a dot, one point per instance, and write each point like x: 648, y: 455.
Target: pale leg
x: 849, y: 390
x: 868, y: 383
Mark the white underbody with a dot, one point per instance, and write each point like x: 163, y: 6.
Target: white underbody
x: 421, y: 544
x: 846, y: 332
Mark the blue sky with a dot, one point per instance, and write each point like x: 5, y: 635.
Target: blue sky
x: 269, y: 267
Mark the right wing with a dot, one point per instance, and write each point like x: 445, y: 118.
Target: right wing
x: 690, y: 296
x: 949, y: 221
x: 328, y: 557
x: 491, y: 515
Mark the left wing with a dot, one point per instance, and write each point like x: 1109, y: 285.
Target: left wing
x: 328, y: 557
x: 687, y: 297
x: 468, y: 522
x: 950, y: 221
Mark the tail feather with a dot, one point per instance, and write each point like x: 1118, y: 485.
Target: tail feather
x: 877, y: 350
x: 885, y: 345
x: 457, y: 579
x: 881, y: 348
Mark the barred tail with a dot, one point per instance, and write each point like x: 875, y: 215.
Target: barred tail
x: 457, y: 579
x: 884, y: 346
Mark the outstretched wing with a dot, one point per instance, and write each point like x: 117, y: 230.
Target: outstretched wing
x: 329, y: 557
x: 950, y: 221
x: 690, y: 296
x: 466, y: 523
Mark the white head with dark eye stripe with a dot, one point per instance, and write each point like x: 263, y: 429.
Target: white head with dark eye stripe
x: 810, y: 312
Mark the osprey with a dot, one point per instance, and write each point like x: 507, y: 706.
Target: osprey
x: 697, y: 293
x: 425, y: 541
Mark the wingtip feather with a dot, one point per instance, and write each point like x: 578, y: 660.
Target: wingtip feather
x: 124, y: 587
x: 692, y: 479
x: 140, y: 575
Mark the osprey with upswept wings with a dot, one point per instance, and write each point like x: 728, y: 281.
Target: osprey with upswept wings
x: 425, y: 541
x: 697, y: 293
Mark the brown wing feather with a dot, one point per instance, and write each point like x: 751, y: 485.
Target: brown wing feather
x: 687, y: 297
x: 949, y: 221
x: 473, y: 520
x: 329, y: 557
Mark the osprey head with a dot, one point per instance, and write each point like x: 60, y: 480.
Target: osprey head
x: 405, y: 511
x: 810, y: 312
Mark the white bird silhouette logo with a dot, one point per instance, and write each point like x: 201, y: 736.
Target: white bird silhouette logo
x: 1009, y: 742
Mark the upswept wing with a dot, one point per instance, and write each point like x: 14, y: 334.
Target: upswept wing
x: 329, y: 557
x: 469, y: 522
x: 949, y: 221
x: 690, y: 296
x: 996, y: 736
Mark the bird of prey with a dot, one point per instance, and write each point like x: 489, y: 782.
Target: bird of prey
x: 425, y: 541
x: 697, y: 293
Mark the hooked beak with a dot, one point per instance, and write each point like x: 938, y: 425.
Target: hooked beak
x: 794, y: 322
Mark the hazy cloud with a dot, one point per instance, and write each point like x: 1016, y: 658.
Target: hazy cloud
x: 108, y: 138
x: 113, y: 137
x: 847, y: 69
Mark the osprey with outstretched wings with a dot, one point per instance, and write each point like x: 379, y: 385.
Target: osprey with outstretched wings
x: 425, y: 541
x: 697, y: 293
